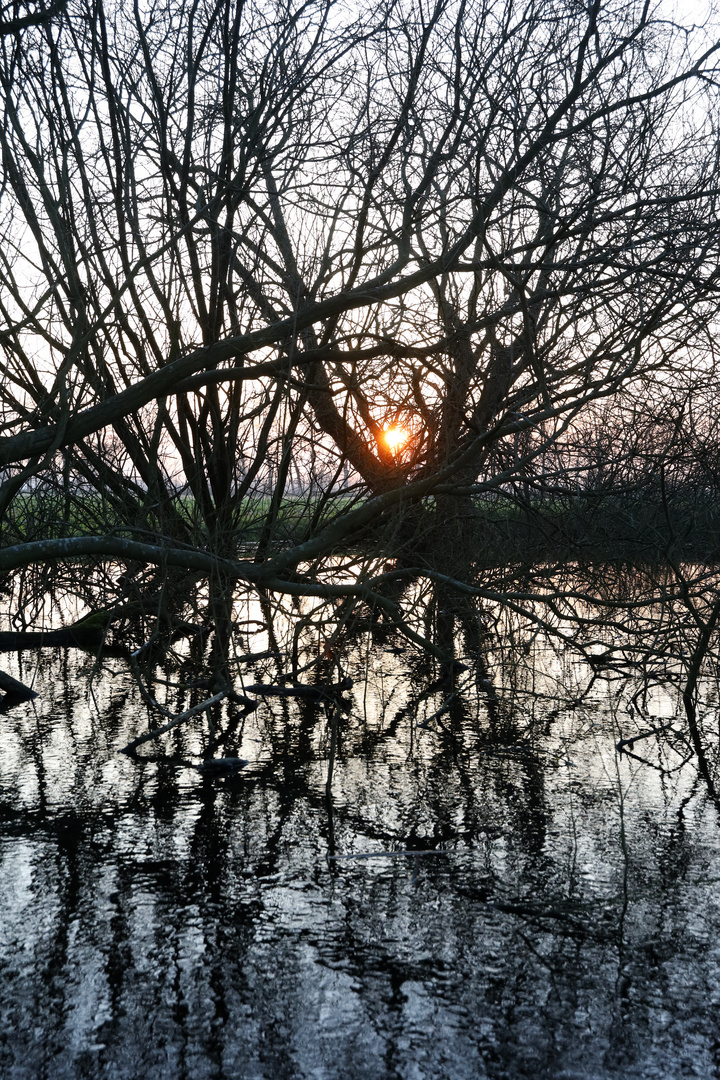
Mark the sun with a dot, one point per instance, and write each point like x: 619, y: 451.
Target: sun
x: 395, y: 438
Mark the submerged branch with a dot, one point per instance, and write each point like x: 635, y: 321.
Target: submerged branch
x: 194, y: 711
x: 14, y: 689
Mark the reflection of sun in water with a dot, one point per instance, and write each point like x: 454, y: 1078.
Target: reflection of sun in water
x: 395, y: 438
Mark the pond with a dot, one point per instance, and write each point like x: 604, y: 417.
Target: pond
x: 498, y: 885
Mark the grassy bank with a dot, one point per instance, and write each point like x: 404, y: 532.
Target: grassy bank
x: 496, y: 529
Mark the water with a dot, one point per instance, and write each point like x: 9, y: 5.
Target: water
x: 156, y: 922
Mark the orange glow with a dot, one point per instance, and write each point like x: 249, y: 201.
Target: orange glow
x: 395, y: 438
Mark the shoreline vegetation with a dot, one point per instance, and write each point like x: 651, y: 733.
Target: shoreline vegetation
x: 497, y: 529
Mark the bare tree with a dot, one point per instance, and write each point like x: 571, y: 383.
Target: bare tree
x: 242, y: 243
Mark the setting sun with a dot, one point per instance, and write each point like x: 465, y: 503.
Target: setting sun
x: 395, y: 438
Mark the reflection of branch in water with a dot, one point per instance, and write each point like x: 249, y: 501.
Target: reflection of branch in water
x: 697, y: 657
x: 625, y: 747
x: 659, y: 768
x: 632, y: 739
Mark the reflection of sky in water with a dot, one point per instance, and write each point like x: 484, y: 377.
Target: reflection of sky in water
x: 157, y: 923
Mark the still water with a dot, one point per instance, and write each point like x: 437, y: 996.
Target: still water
x: 156, y: 922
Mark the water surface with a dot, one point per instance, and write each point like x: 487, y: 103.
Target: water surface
x: 156, y: 922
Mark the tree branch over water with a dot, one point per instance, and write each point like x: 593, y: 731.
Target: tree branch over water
x: 296, y: 283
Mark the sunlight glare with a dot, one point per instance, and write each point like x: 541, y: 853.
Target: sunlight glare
x: 395, y: 438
